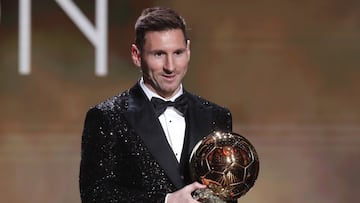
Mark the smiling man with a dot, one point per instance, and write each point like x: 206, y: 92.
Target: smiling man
x: 163, y: 60
x: 136, y: 145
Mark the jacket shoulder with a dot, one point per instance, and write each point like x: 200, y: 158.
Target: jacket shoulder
x: 221, y: 116
x: 115, y: 103
x: 204, y: 103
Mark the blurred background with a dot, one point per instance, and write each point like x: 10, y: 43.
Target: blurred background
x: 288, y: 71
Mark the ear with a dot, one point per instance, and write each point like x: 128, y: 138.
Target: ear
x: 188, y: 48
x: 135, y: 55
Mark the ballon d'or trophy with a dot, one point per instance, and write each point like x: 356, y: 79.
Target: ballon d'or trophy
x: 227, y: 164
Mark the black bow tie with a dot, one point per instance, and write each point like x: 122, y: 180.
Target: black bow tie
x: 160, y: 105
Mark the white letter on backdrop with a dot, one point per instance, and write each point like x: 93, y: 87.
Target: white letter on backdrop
x: 24, y: 36
x: 96, y: 35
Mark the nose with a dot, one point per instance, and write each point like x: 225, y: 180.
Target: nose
x: 169, y: 65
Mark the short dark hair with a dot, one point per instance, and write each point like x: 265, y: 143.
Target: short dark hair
x: 157, y: 19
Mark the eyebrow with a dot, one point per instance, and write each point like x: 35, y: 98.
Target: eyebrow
x: 163, y: 51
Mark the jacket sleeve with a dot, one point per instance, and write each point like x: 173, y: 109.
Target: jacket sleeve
x: 101, y: 173
x: 222, y: 120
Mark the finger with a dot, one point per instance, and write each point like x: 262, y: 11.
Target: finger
x: 194, y: 186
x: 199, y: 185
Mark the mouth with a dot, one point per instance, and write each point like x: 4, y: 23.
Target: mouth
x: 169, y: 77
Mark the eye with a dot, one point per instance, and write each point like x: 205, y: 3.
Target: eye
x: 159, y: 54
x: 179, y: 52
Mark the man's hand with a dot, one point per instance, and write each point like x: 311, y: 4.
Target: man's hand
x: 184, y: 194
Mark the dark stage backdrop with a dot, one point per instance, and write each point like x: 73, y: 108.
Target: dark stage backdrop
x: 288, y: 71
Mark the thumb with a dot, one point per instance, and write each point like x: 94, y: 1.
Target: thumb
x: 194, y: 186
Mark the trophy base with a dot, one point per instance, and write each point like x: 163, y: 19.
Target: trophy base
x: 206, y: 196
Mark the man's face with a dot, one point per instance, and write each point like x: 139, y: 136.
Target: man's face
x: 163, y: 60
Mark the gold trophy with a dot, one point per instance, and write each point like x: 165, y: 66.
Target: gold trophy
x: 227, y: 164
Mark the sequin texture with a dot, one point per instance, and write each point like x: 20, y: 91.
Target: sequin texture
x: 116, y: 164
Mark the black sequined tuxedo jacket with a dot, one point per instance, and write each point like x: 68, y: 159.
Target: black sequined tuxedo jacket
x: 125, y: 155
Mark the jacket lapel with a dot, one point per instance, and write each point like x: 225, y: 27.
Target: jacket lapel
x: 198, y: 125
x: 198, y: 122
x: 142, y: 117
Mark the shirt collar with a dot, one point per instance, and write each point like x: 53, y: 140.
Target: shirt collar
x: 149, y: 93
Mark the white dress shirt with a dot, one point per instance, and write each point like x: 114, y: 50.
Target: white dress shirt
x: 172, y: 121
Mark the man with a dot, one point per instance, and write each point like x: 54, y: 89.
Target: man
x: 133, y: 152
